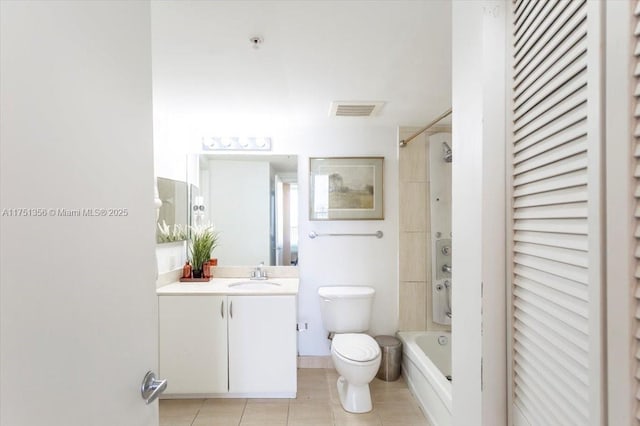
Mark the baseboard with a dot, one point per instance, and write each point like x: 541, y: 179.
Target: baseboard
x: 315, y: 362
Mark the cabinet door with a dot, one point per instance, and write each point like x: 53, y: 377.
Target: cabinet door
x: 262, y: 344
x: 193, y: 344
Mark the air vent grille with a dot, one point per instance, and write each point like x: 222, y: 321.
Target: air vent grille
x: 354, y: 109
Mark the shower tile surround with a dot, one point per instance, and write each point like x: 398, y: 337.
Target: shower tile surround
x: 415, y: 310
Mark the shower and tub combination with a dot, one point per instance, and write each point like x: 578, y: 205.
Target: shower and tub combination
x: 426, y: 367
x: 426, y: 362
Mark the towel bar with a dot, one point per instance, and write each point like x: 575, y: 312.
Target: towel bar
x: 314, y: 234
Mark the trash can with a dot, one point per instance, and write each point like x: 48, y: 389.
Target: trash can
x: 391, y: 348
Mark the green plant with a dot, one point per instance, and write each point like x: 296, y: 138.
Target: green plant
x: 203, y: 240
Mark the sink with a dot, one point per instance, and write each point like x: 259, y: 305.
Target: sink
x: 255, y: 285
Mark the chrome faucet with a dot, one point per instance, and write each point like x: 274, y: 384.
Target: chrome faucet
x: 259, y: 273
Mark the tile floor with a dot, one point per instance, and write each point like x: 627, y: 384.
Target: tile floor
x: 316, y: 404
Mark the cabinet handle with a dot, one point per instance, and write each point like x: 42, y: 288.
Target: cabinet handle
x: 222, y: 309
x: 231, y: 309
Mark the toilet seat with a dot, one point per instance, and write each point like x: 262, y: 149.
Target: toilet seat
x: 356, y: 347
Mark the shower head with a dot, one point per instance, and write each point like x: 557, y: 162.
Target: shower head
x: 448, y: 154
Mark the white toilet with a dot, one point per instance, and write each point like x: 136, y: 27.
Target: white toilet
x: 346, y: 312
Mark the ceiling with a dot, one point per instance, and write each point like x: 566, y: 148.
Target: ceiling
x: 208, y: 77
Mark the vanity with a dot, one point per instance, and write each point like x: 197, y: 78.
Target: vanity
x: 229, y: 338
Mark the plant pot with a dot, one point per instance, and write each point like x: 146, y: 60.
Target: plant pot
x: 213, y: 261
x: 197, y: 274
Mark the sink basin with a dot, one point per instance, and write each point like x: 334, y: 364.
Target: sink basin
x: 255, y: 285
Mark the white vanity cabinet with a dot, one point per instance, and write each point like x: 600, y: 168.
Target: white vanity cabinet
x: 228, y: 345
x: 193, y: 344
x: 262, y: 344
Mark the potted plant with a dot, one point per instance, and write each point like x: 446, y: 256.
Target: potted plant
x: 203, y: 240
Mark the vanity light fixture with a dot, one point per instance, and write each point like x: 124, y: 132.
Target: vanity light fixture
x: 217, y: 143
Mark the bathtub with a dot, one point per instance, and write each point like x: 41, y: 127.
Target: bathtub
x: 426, y: 361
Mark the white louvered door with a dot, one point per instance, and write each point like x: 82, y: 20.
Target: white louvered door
x: 555, y: 276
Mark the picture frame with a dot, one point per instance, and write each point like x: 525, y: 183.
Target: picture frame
x: 346, y: 188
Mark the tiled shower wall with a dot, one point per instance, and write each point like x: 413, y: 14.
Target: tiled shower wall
x: 415, y: 231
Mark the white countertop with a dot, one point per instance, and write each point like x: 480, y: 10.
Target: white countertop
x: 287, y: 286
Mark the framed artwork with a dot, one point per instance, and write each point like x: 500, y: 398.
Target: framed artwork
x: 345, y: 188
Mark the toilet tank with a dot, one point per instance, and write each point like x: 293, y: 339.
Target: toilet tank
x: 346, y: 309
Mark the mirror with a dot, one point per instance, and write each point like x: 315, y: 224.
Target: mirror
x: 252, y: 200
x: 173, y: 212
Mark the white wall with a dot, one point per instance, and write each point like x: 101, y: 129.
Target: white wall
x: 76, y: 132
x: 339, y: 260
x: 347, y: 260
x: 478, y: 340
x: 171, y: 256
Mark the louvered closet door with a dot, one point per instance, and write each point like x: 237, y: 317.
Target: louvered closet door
x: 637, y: 195
x: 555, y: 336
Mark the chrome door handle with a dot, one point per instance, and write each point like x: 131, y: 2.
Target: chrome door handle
x: 151, y: 387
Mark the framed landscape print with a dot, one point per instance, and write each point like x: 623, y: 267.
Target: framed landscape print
x: 345, y: 188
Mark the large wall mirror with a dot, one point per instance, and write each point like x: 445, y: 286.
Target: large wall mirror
x: 252, y: 200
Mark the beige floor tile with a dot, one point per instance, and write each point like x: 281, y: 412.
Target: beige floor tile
x: 342, y: 418
x: 314, y: 394
x: 315, y: 389
x: 176, y: 420
x: 388, y: 409
x: 317, y: 404
x: 310, y: 413
x: 220, y: 412
x: 210, y: 419
x: 311, y: 373
x: 407, y: 421
x: 223, y: 406
x: 397, y: 384
x: 265, y: 412
x: 180, y: 407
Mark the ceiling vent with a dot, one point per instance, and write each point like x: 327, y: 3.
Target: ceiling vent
x: 354, y: 109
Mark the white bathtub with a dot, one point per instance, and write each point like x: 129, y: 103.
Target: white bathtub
x: 426, y: 361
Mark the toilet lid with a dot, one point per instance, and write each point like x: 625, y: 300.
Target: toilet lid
x: 356, y: 346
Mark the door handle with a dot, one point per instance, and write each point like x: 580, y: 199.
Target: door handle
x: 231, y: 309
x: 222, y: 309
x: 151, y: 387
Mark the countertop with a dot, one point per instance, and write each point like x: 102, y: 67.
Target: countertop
x: 287, y: 286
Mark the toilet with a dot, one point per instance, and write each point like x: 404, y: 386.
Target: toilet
x: 346, y: 313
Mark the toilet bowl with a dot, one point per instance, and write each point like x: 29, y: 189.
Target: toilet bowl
x: 346, y: 315
x: 356, y: 357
